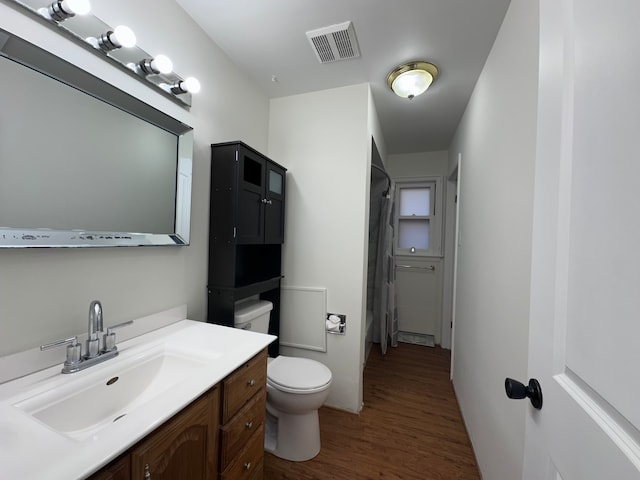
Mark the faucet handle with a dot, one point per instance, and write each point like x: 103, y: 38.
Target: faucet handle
x: 74, y: 350
x: 109, y: 338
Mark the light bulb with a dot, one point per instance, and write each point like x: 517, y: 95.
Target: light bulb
x: 123, y: 36
x: 153, y: 66
x: 192, y: 85
x: 189, y: 85
x: 60, y: 10
x: 162, y: 64
x: 412, y: 83
x: 79, y: 7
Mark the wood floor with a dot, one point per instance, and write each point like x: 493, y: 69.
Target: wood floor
x: 410, y: 426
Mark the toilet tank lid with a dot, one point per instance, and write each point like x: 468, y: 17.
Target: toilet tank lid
x: 250, y: 309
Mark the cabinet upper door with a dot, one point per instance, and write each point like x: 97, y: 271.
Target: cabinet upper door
x: 251, y: 198
x: 274, y: 205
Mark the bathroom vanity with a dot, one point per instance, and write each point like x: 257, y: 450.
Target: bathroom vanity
x: 185, y: 401
x: 220, y: 433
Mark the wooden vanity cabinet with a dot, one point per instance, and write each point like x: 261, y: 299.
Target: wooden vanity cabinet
x: 219, y: 435
x: 243, y: 421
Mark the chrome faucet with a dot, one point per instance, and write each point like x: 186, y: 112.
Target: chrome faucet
x: 94, y: 354
x: 95, y: 329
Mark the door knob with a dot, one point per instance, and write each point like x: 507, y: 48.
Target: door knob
x: 517, y: 390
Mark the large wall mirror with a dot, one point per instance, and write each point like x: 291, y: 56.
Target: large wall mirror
x: 84, y: 164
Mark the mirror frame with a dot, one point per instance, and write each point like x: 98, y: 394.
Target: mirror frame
x: 61, y: 70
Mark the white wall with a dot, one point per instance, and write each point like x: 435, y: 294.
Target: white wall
x: 496, y: 138
x: 419, y: 164
x: 324, y: 140
x: 45, y: 293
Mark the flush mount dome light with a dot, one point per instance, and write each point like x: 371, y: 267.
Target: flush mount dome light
x: 412, y: 79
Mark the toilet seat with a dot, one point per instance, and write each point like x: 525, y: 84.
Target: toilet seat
x: 297, y: 375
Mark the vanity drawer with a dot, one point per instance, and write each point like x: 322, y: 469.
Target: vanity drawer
x: 243, y: 384
x: 248, y: 464
x: 235, y: 434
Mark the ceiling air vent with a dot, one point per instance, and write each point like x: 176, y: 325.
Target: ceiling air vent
x: 337, y: 42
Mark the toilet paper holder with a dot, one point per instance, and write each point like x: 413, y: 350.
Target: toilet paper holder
x: 336, y: 323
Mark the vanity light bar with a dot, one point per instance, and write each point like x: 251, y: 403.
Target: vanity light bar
x: 157, y: 70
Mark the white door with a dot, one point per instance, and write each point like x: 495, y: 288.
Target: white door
x: 585, y: 291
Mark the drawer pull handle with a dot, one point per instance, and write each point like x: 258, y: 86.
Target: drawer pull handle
x: 147, y: 472
x: 247, y: 465
x: 251, y: 382
x: 249, y: 425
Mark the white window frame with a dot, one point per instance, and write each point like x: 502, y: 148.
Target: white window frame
x: 435, y: 217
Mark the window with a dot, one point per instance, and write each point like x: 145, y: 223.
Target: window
x: 418, y: 217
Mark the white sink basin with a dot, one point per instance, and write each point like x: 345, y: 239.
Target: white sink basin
x: 81, y: 408
x: 81, y: 421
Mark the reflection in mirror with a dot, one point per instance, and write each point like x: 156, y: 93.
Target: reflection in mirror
x: 83, y: 163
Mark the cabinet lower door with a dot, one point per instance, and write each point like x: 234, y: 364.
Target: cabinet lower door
x: 184, y: 448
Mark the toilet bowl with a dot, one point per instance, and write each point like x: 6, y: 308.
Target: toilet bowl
x: 296, y: 389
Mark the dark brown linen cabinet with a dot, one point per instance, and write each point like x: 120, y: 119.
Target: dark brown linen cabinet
x: 246, y: 231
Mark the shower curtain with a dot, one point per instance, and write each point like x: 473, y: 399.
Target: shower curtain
x: 385, y: 314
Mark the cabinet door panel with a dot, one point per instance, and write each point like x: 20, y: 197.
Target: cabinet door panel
x: 119, y: 469
x: 274, y: 208
x: 241, y: 385
x: 185, y: 447
x: 249, y: 462
x: 250, y: 217
x: 252, y: 170
x: 251, y: 197
x: 274, y: 222
x: 236, y: 433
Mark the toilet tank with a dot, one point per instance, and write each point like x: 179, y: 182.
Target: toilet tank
x: 253, y: 315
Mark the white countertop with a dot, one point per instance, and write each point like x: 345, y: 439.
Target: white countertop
x: 30, y: 449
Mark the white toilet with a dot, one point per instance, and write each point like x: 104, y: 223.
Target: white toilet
x: 296, y: 389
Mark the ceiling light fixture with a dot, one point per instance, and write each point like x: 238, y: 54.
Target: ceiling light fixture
x: 411, y: 79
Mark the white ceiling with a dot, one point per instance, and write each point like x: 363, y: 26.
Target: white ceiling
x: 267, y: 38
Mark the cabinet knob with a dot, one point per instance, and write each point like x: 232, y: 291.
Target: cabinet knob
x: 147, y: 472
x: 247, y: 466
x: 251, y: 383
x: 249, y: 425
